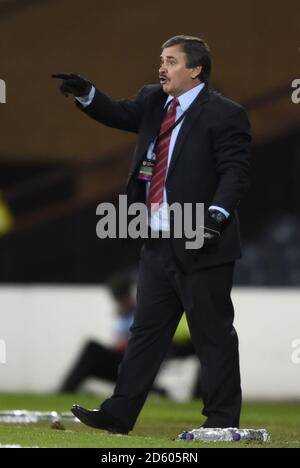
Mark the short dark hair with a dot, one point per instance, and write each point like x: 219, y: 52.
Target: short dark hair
x: 120, y: 285
x: 197, y: 53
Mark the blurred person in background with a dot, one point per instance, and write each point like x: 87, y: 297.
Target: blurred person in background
x: 101, y: 361
x: 197, y: 145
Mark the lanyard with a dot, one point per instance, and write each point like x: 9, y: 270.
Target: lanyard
x: 147, y: 167
x: 169, y: 130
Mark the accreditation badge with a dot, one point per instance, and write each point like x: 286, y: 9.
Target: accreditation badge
x: 147, y: 167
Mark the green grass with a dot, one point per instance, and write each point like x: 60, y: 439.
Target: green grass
x: 159, y: 423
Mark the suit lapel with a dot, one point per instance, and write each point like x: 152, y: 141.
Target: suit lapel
x: 193, y: 113
x: 152, y: 127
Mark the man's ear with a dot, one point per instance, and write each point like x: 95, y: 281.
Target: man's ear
x: 196, y: 72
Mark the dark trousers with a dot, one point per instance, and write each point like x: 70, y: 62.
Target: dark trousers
x: 163, y: 293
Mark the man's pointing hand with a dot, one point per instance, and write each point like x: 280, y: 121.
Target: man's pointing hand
x: 73, y: 84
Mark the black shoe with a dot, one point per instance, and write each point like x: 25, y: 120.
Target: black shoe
x: 98, y: 419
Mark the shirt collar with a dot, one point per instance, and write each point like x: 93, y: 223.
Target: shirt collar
x: 186, y: 99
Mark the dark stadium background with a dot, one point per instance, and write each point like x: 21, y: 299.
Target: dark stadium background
x: 56, y: 165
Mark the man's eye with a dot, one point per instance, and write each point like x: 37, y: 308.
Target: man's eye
x: 168, y: 62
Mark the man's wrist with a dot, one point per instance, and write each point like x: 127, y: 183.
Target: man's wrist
x: 219, y: 208
x: 86, y: 100
x: 217, y: 216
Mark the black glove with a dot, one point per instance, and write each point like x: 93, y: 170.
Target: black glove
x: 73, y: 84
x: 214, y: 222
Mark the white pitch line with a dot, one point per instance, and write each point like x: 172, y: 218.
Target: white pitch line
x: 4, y: 446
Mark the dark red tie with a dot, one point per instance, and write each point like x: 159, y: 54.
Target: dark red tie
x: 156, y: 192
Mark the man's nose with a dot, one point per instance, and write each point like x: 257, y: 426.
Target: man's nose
x: 161, y: 69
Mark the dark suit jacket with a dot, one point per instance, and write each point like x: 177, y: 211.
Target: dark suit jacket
x: 210, y: 161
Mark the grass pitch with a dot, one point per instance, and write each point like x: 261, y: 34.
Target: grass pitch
x: 158, y: 425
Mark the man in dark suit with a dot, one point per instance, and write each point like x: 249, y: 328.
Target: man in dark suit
x: 201, y: 156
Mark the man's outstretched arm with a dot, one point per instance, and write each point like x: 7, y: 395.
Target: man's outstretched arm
x: 124, y: 114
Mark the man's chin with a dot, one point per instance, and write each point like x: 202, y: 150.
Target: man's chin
x: 166, y: 87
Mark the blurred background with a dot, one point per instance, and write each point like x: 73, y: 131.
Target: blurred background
x: 56, y: 166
